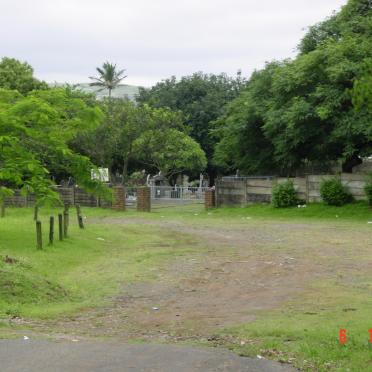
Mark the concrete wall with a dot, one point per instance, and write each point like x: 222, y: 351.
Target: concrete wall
x: 258, y: 190
x: 231, y: 193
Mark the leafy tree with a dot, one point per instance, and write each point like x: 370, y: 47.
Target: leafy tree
x: 304, y: 114
x: 201, y: 98
x: 34, y: 133
x: 242, y: 143
x: 115, y: 135
x: 16, y: 75
x: 362, y: 90
x: 19, y: 168
x: 171, y: 151
x: 125, y: 124
x: 108, y: 77
x: 167, y: 146
x: 312, y: 116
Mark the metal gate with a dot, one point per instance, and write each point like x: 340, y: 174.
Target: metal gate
x: 166, y: 196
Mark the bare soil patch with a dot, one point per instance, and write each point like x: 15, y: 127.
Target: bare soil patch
x: 247, y: 267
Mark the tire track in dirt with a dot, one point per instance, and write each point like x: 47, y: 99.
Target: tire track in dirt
x: 247, y: 268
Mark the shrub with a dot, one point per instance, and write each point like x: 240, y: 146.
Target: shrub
x: 368, y: 189
x: 284, y: 195
x: 333, y: 192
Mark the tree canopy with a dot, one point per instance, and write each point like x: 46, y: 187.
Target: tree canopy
x: 34, y: 133
x: 362, y: 91
x: 201, y: 98
x: 16, y: 75
x: 153, y: 138
x: 171, y: 152
x: 300, y: 112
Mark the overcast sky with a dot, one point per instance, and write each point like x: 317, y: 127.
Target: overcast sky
x: 64, y: 40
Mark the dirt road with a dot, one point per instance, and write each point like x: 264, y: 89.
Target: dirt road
x: 241, y: 269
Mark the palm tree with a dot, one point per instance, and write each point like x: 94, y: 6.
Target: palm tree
x: 109, y: 78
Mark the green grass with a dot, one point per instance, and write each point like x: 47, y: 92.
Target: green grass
x: 354, y: 212
x: 84, y: 271
x: 80, y: 271
x: 359, y: 211
x: 306, y: 331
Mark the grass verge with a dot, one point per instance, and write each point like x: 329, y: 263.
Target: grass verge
x: 81, y: 271
x: 306, y: 333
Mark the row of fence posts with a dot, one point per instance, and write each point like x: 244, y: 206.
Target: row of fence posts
x: 63, y: 225
x: 143, y: 204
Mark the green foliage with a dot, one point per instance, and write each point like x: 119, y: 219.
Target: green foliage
x: 152, y: 137
x: 170, y: 151
x: 358, y: 212
x: 20, y: 168
x: 362, y: 90
x: 115, y: 134
x: 333, y: 192
x: 300, y: 112
x: 284, y: 195
x: 16, y: 75
x: 137, y: 178
x: 34, y: 133
x: 368, y: 189
x: 201, y: 98
x: 242, y: 142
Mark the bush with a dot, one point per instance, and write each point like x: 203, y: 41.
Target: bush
x: 368, y: 189
x: 333, y: 192
x: 284, y: 195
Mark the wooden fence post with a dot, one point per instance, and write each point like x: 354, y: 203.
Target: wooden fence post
x: 36, y: 213
x: 78, y: 210
x: 65, y: 224
x: 2, y: 208
x: 39, y: 238
x: 79, y: 216
x: 81, y: 222
x: 51, y: 230
x: 60, y: 226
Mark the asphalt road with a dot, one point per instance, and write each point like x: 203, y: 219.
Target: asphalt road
x: 51, y: 356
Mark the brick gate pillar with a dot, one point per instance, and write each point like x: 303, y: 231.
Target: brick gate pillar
x: 118, y: 200
x: 209, y: 199
x: 144, y: 199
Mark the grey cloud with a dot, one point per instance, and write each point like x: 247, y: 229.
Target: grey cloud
x: 66, y: 39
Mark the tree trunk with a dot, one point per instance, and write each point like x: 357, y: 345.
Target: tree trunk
x: 109, y: 106
x: 350, y: 163
x: 125, y: 172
